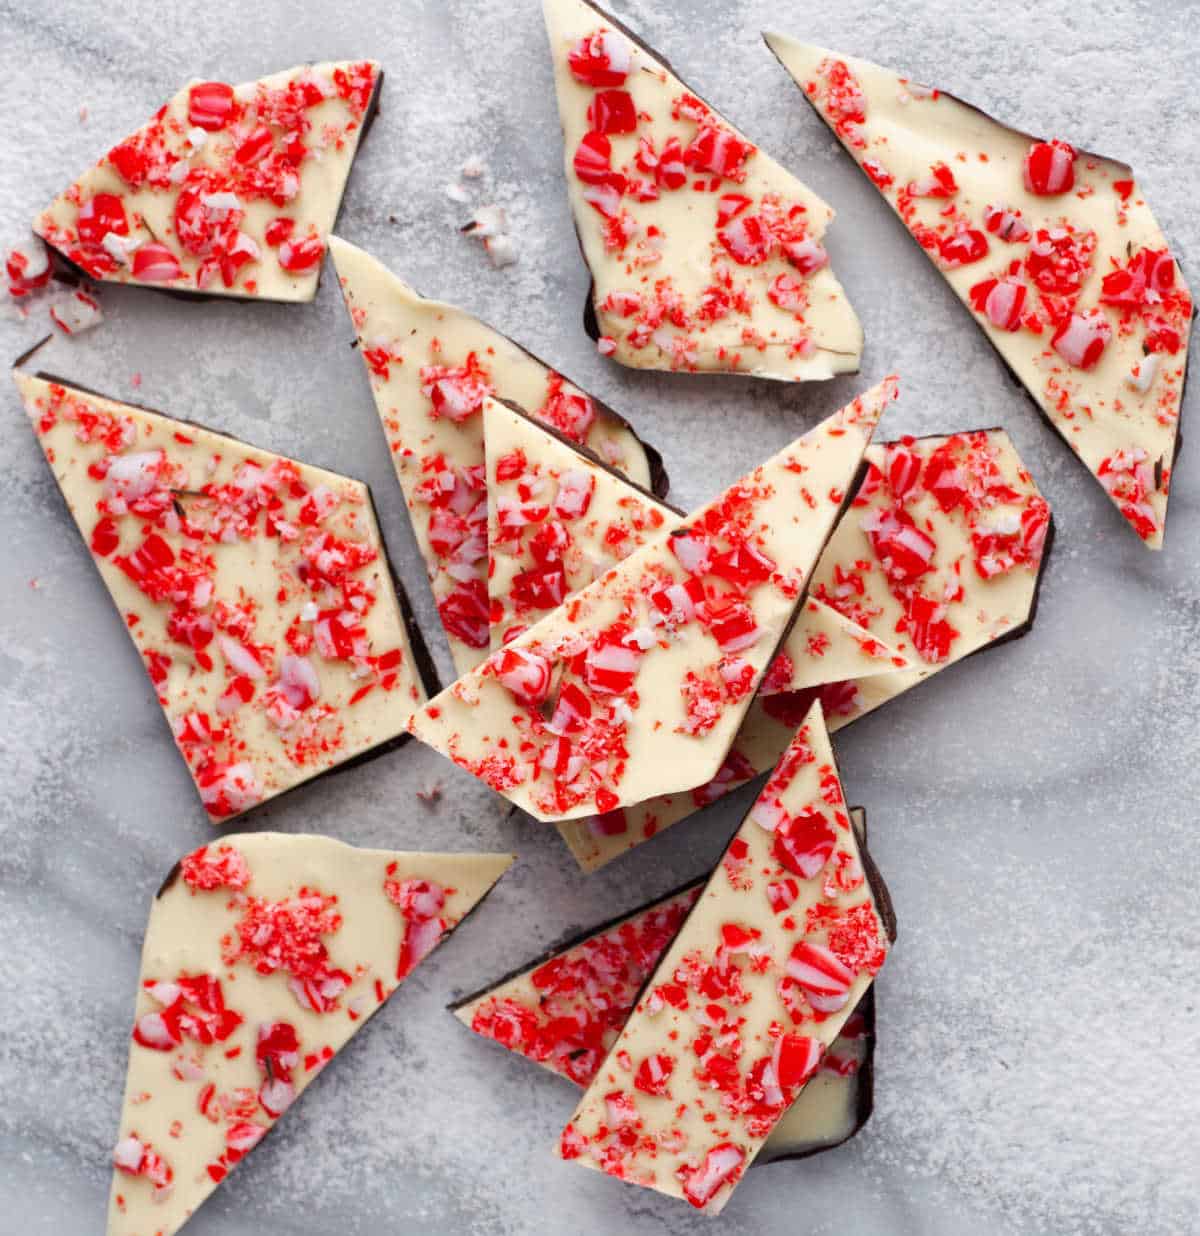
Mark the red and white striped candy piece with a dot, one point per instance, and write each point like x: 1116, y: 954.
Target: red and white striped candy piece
x: 693, y: 550
x: 653, y: 1074
x: 610, y: 666
x: 155, y: 263
x: 1006, y: 224
x: 963, y: 247
x: 824, y: 979
x: 1001, y: 301
x: 905, y: 550
x: 1049, y: 168
x: 903, y: 466
x: 612, y: 111
x: 600, y: 59
x: 28, y: 268
x: 806, y: 255
x: 592, y: 162
x: 298, y: 681
x: 804, y: 843
x: 795, y: 1058
x: 747, y: 240
x: 574, y: 497
x: 210, y: 105
x: 1082, y: 338
x: 525, y: 673
x: 721, y: 1164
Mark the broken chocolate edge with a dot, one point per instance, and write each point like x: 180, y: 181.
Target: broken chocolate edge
x: 865, y: 1076
x: 660, y: 482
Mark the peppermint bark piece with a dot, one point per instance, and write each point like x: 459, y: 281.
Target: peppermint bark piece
x: 558, y: 519
x: 264, y: 954
x: 228, y: 190
x: 566, y: 1011
x: 1054, y: 251
x: 430, y: 366
x: 638, y: 684
x: 705, y: 254
x: 256, y: 588
x: 941, y: 552
x: 783, y: 943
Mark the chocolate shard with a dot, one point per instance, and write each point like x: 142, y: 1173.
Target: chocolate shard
x: 257, y: 590
x: 264, y: 955
x: 787, y: 933
x: 565, y: 1009
x: 219, y: 194
x: 942, y: 552
x: 1052, y: 249
x: 430, y: 366
x: 652, y: 668
x: 655, y: 177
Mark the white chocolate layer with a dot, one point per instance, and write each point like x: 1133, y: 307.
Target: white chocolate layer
x: 201, y: 1105
x: 781, y: 946
x: 256, y: 589
x: 545, y: 548
x: 1053, y: 254
x: 430, y: 366
x: 677, y: 285
x: 201, y: 189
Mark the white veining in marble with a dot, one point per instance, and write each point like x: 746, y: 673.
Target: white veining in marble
x: 1032, y: 809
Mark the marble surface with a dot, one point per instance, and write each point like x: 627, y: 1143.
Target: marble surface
x: 1032, y: 809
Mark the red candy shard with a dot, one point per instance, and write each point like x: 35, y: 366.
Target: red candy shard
x: 1050, y: 168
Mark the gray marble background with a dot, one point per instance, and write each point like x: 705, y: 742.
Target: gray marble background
x: 1032, y: 810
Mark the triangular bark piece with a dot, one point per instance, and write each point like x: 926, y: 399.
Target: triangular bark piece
x: 705, y: 254
x: 430, y: 366
x: 825, y: 646
x: 785, y: 940
x: 941, y: 552
x: 558, y: 519
x: 264, y: 954
x: 638, y: 684
x: 1054, y: 251
x: 227, y: 191
x: 256, y: 588
x: 565, y: 1011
